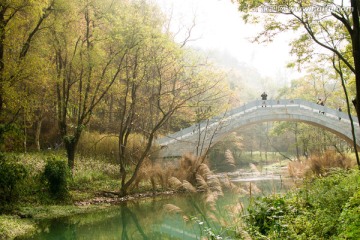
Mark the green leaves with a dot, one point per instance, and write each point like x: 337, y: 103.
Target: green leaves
x: 56, y: 175
x: 12, y: 174
x: 324, y: 208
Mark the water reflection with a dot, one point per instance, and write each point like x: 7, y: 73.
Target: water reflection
x: 144, y: 219
x: 147, y: 219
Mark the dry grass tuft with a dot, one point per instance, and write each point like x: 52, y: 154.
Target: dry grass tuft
x: 204, y: 170
x: 171, y: 208
x: 298, y: 169
x: 229, y: 158
x: 175, y: 183
x: 155, y: 174
x: 252, y: 188
x: 188, y: 186
x: 93, y: 144
x: 202, y: 184
x: 228, y: 184
x: 319, y: 164
x: 254, y: 169
x: 192, y: 175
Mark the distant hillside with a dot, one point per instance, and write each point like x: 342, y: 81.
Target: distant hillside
x: 244, y: 78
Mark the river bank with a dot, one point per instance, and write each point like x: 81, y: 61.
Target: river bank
x: 97, y: 199
x: 23, y: 221
x: 93, y: 188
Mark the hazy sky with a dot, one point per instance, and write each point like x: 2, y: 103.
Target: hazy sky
x: 219, y: 26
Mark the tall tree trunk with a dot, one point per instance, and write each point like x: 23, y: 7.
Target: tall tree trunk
x: 355, y: 38
x: 70, y: 147
x: 2, y: 39
x: 297, y: 142
x: 71, y: 143
x: 111, y: 109
x: 127, y: 184
x: 38, y: 133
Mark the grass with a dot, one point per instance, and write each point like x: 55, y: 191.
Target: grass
x: 13, y: 226
x: 56, y: 211
x: 319, y: 165
x: 91, y: 176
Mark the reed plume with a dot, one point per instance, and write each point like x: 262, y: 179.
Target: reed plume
x: 254, y: 169
x: 202, y: 184
x: 171, y: 208
x: 175, y: 183
x: 229, y: 158
x: 188, y: 186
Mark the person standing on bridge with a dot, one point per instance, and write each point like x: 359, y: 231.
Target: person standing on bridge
x: 340, y: 110
x: 264, y: 98
x: 320, y: 102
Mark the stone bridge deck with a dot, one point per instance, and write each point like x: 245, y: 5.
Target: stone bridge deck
x: 298, y: 110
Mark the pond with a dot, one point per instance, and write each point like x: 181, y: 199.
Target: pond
x: 149, y: 219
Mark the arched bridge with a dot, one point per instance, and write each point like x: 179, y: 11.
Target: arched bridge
x: 298, y: 110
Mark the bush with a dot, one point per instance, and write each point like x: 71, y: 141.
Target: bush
x: 56, y: 174
x: 324, y: 208
x: 266, y: 216
x: 350, y: 218
x: 12, y: 174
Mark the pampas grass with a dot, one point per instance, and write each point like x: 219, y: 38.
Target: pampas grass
x: 252, y: 188
x: 188, y: 186
x: 171, y: 208
x: 254, y: 169
x: 319, y: 164
x: 175, y: 183
x: 229, y: 158
x: 154, y: 174
x: 202, y: 184
x: 194, y: 175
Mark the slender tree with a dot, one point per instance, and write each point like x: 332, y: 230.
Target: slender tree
x: 88, y: 60
x: 159, y: 80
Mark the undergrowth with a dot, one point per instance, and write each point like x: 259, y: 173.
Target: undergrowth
x: 323, y: 208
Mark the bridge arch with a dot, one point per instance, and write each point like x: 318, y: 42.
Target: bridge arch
x: 258, y: 111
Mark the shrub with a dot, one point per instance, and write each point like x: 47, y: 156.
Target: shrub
x: 266, y: 216
x: 324, y: 208
x: 56, y: 175
x: 350, y: 218
x: 12, y: 174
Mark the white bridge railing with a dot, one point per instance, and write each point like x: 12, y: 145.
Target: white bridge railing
x: 253, y: 106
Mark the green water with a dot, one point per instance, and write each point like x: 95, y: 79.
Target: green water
x: 147, y: 219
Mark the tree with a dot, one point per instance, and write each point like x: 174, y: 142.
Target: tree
x: 161, y: 78
x: 332, y: 25
x: 89, y: 49
x: 20, y: 23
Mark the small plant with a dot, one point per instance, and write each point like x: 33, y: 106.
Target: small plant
x: 12, y: 174
x: 56, y: 174
x: 266, y: 214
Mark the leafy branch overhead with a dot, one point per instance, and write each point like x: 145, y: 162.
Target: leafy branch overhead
x: 324, y: 30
